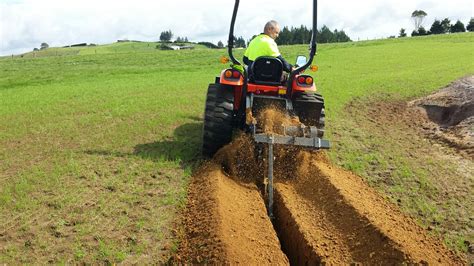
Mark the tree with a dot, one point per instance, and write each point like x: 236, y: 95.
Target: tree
x: 437, y: 28
x: 166, y: 36
x: 470, y: 25
x: 326, y: 35
x: 422, y: 31
x: 220, y: 44
x: 341, y: 36
x: 402, y: 33
x: 418, y: 17
x: 302, y: 35
x: 285, y: 37
x: 44, y: 46
x: 181, y: 39
x: 239, y: 42
x: 458, y: 27
x: 446, y: 24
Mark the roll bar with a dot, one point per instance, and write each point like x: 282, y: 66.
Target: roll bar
x: 230, y: 42
x: 313, y: 44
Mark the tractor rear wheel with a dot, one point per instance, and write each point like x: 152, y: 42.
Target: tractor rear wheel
x: 310, y: 109
x: 218, y: 118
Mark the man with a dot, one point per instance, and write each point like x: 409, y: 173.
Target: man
x: 265, y: 45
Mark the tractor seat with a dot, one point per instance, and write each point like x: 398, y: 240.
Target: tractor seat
x: 266, y: 71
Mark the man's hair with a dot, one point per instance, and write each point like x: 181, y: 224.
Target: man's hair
x: 272, y: 24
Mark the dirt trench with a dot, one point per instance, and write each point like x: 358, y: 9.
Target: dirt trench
x: 323, y: 215
x: 448, y: 115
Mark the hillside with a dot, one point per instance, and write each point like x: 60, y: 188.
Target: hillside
x: 97, y: 144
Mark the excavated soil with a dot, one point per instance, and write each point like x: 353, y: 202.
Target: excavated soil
x: 336, y: 218
x: 448, y: 115
x: 226, y: 222
x: 323, y: 215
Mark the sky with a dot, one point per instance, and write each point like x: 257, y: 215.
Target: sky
x: 25, y: 24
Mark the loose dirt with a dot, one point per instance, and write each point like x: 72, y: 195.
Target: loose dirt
x: 226, y: 222
x: 448, y: 115
x: 323, y: 215
x: 338, y: 219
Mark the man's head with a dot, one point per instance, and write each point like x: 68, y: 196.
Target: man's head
x: 272, y: 29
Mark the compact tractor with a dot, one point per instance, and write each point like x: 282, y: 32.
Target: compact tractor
x: 235, y: 99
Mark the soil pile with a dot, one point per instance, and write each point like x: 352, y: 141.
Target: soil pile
x: 226, y: 221
x: 449, y: 114
x: 337, y: 219
x: 322, y: 214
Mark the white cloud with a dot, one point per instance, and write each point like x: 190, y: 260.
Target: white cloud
x: 24, y: 24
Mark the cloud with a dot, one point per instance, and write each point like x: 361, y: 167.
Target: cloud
x: 25, y: 24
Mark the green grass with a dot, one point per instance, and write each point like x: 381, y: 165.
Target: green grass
x: 97, y: 143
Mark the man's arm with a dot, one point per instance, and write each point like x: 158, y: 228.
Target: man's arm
x: 286, y: 66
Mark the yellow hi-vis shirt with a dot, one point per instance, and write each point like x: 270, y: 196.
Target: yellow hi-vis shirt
x: 262, y: 45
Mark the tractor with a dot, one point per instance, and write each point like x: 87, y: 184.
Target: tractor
x: 235, y: 98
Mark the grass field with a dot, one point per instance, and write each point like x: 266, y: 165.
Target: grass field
x: 97, y: 144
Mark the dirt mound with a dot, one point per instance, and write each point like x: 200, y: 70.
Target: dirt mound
x: 338, y: 219
x: 449, y: 114
x: 322, y: 214
x: 226, y: 222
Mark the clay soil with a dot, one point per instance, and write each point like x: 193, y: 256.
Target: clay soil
x: 323, y: 215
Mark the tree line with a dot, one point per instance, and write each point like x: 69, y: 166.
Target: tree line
x: 302, y: 35
x: 288, y: 36
x: 438, y: 27
x: 167, y: 36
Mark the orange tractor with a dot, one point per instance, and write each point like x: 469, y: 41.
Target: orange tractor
x: 236, y: 98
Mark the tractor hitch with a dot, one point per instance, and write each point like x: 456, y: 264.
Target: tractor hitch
x: 301, y: 135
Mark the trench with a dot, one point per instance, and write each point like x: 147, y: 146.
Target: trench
x: 338, y: 236
x: 446, y: 116
x: 315, y: 224
x: 328, y: 216
x: 322, y: 215
x: 292, y: 240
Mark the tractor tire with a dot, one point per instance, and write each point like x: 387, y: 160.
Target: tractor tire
x: 218, y: 119
x: 309, y: 107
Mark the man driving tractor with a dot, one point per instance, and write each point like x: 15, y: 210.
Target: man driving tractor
x: 265, y: 45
